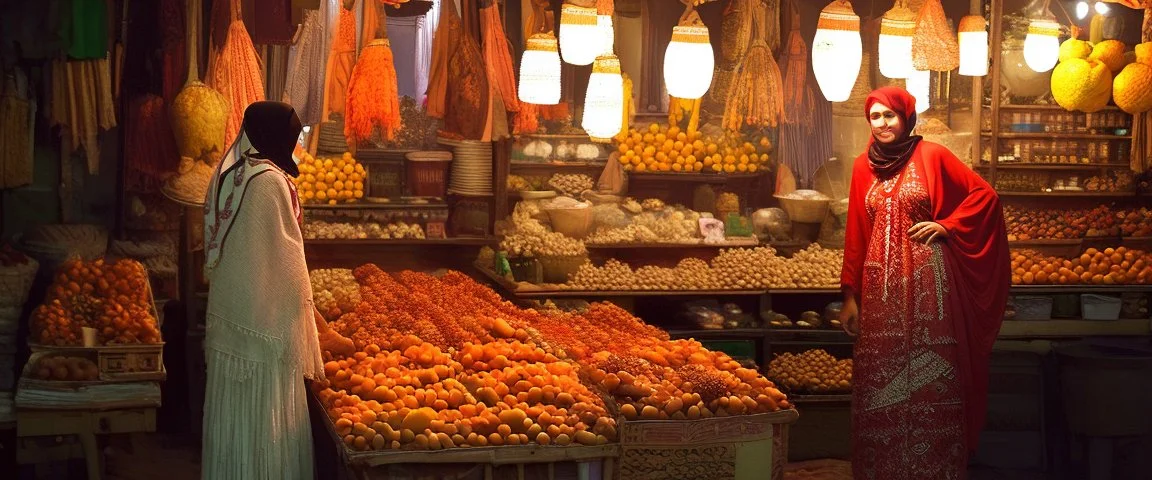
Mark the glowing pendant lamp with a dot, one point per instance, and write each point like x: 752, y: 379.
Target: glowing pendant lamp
x: 604, y: 100
x: 688, y: 62
x: 973, y: 39
x: 607, y: 35
x: 540, y: 71
x: 837, y: 50
x: 897, y: 28
x: 919, y: 84
x: 1042, y: 45
x: 580, y: 35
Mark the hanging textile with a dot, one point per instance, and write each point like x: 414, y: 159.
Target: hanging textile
x: 341, y: 59
x: 80, y: 103
x: 458, y: 89
x: 497, y: 58
x: 36, y: 30
x: 805, y: 131
x: 373, y: 100
x: 272, y: 22
x: 304, y: 89
x: 274, y: 58
x: 18, y: 115
x: 236, y: 73
x: 172, y: 47
x: 149, y: 145
x: 425, y: 32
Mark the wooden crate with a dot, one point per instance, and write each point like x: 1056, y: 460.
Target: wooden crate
x: 118, y: 363
x: 739, y: 447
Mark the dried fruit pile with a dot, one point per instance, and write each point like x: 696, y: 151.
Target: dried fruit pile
x: 813, y: 371
x: 113, y: 298
x: 445, y: 362
x: 1112, y: 266
x: 1044, y: 223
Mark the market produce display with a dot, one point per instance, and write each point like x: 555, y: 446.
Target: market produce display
x: 663, y: 148
x: 527, y: 236
x: 66, y: 368
x: 734, y: 268
x: 322, y: 230
x: 334, y: 292
x: 1111, y: 266
x: 445, y: 362
x: 1049, y: 223
x: 812, y: 371
x: 112, y: 297
x: 330, y: 180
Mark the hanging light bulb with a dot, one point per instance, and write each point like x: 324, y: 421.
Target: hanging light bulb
x: 895, y: 42
x: 688, y: 62
x: 606, y: 34
x: 837, y: 50
x: 540, y: 71
x: 1102, y: 8
x: 973, y: 39
x: 1081, y: 10
x: 580, y: 35
x: 1042, y: 45
x: 604, y: 100
x: 919, y: 84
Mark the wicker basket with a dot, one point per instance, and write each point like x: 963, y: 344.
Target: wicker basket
x: 573, y: 222
x: 557, y: 269
x: 16, y: 281
x: 804, y: 211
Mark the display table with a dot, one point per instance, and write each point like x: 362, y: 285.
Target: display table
x: 61, y: 435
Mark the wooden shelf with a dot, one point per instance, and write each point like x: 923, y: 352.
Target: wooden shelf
x: 751, y: 242
x: 719, y: 333
x: 692, y: 177
x: 1057, y: 136
x: 829, y: 398
x: 1050, y: 166
x: 465, y: 241
x: 806, y: 291
x: 518, y: 165
x: 1076, y: 289
x: 1073, y: 328
x: 1107, y: 108
x: 1067, y: 194
x: 1046, y: 242
x: 531, y: 293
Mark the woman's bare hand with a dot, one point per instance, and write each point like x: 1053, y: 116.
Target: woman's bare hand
x: 927, y: 232
x: 850, y: 316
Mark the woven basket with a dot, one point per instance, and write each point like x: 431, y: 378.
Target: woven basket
x: 573, y: 222
x: 15, y: 282
x: 557, y: 269
x: 804, y: 211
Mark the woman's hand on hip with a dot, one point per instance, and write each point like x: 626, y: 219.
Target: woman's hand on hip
x: 927, y: 232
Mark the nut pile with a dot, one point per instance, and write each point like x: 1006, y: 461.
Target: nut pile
x: 665, y: 225
x: 814, y: 371
x: 528, y: 237
x: 334, y: 291
x: 571, y: 184
x: 735, y: 268
x: 321, y: 230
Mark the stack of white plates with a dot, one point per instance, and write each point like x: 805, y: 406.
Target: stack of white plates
x: 471, y: 167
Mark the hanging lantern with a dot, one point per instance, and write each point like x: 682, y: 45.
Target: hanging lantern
x: 837, y: 50
x: 895, y: 42
x: 1042, y: 45
x: 540, y: 71
x: 580, y: 35
x: 919, y: 84
x: 606, y: 35
x: 604, y: 100
x: 973, y: 39
x: 688, y: 62
x: 934, y: 45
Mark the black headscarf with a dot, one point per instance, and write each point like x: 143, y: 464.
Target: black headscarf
x: 273, y: 129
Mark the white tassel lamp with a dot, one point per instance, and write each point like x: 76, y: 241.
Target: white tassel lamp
x: 895, y: 42
x: 540, y: 71
x: 604, y: 100
x: 580, y: 35
x: 1042, y: 45
x: 973, y: 39
x: 837, y: 50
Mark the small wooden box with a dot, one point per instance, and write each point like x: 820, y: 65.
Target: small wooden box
x: 119, y: 363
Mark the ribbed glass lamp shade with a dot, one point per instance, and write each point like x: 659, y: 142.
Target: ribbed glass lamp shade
x: 894, y: 45
x: 540, y: 71
x: 919, y: 84
x: 580, y: 35
x: 688, y: 62
x: 607, y: 35
x: 604, y: 100
x: 973, y: 39
x: 1042, y: 45
x: 837, y: 51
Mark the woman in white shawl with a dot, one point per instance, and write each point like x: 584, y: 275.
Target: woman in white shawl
x: 262, y: 336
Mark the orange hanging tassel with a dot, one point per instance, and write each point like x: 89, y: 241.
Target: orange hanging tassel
x: 527, y: 119
x: 373, y: 96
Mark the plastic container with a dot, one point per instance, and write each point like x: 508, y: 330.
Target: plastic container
x: 1100, y: 307
x: 427, y: 173
x: 1032, y: 307
x: 557, y: 269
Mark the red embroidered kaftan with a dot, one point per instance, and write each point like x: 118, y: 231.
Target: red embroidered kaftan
x: 928, y: 314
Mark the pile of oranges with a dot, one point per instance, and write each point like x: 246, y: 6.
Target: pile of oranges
x: 664, y: 148
x: 330, y: 180
x: 445, y: 362
x: 114, y: 298
x: 1111, y: 266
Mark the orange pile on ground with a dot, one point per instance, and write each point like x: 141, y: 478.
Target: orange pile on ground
x: 1111, y: 266
x: 445, y: 362
x: 114, y: 298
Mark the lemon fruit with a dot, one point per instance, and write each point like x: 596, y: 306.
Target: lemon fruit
x: 1111, y: 53
x: 1075, y: 48
x: 1144, y: 53
x: 1132, y: 88
x: 1082, y: 85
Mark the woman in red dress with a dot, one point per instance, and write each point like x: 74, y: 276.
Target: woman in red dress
x: 925, y: 281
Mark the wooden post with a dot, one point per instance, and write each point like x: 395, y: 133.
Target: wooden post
x: 976, y: 7
x: 996, y: 39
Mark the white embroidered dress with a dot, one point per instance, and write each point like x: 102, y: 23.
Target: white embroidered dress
x: 261, y: 338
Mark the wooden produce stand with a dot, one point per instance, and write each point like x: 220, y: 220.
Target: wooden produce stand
x: 60, y: 435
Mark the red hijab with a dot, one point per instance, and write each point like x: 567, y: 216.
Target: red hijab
x: 887, y: 159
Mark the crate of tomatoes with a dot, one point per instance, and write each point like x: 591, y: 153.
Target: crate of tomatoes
x: 102, y: 310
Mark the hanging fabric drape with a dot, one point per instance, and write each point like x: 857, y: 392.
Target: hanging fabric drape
x: 425, y: 32
x: 805, y: 131
x: 306, y: 61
